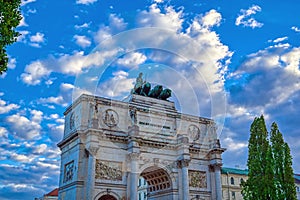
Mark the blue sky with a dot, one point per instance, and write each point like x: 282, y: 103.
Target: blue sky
x: 226, y: 60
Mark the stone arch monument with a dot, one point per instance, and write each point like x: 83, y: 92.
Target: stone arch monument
x: 109, y: 144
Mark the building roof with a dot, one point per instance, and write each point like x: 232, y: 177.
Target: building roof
x: 53, y: 193
x: 297, y: 178
x: 226, y: 170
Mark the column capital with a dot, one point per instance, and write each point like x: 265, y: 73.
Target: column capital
x: 183, y: 163
x: 93, y: 150
x: 133, y: 156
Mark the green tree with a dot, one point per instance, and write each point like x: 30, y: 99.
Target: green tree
x: 270, y: 165
x: 10, y: 17
x: 259, y: 185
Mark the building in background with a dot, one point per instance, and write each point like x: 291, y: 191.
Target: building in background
x: 232, y: 179
x: 231, y: 183
x: 142, y: 189
x: 297, y: 182
x: 53, y: 195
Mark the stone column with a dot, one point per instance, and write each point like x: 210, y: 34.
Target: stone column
x: 133, y: 156
x: 217, y: 191
x: 184, y: 166
x: 218, y: 182
x: 133, y: 177
x: 90, y: 185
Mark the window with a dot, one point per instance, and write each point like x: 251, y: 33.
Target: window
x: 298, y: 189
x: 233, y: 195
x: 242, y: 180
x: 232, y: 181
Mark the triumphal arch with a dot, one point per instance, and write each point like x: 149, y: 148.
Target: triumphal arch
x: 108, y: 145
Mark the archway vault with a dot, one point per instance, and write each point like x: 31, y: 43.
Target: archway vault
x: 157, y: 179
x: 107, y: 197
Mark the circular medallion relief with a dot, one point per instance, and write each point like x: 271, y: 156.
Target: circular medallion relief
x: 110, y: 118
x: 194, y: 132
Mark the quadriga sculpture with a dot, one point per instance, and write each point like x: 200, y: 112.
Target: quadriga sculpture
x: 146, y: 89
x: 155, y: 92
x: 166, y: 93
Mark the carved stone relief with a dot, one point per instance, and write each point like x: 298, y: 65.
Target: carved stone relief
x: 108, y: 170
x: 110, y: 117
x: 68, y: 171
x: 194, y: 132
x: 197, y: 179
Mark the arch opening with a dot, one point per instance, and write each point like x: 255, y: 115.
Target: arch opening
x: 157, y: 183
x: 107, y: 197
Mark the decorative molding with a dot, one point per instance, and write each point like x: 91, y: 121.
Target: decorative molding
x: 110, y: 117
x: 68, y: 171
x: 108, y: 170
x: 93, y: 150
x: 197, y: 179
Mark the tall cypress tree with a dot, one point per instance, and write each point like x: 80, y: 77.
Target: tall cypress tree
x: 289, y: 187
x: 260, y: 159
x: 270, y: 165
x: 278, y: 154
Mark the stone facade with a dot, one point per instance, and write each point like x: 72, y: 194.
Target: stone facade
x: 108, y: 145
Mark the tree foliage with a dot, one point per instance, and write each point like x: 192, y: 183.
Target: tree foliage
x: 10, y: 17
x: 270, y: 165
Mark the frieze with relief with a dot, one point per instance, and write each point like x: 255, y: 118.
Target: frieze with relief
x: 197, y: 179
x: 108, y: 170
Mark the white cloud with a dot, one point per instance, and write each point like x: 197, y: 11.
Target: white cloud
x: 59, y: 100
x: 36, y: 116
x: 12, y: 63
x: 21, y: 38
x: 41, y: 148
x: 37, y: 39
x: 3, y: 132
x: 245, y: 18
x: 24, y: 128
x: 22, y: 158
x: 82, y: 40
x: 296, y: 29
x: 275, y: 75
x: 86, y: 2
x: 5, y: 108
x: 168, y: 19
x: 211, y: 18
x: 22, y: 22
x: 115, y: 25
x: 84, y: 25
x: 34, y: 72
x: 116, y: 85
x: 24, y: 2
x: 132, y: 60
x: 232, y: 145
x: 280, y: 39
x: 76, y: 63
